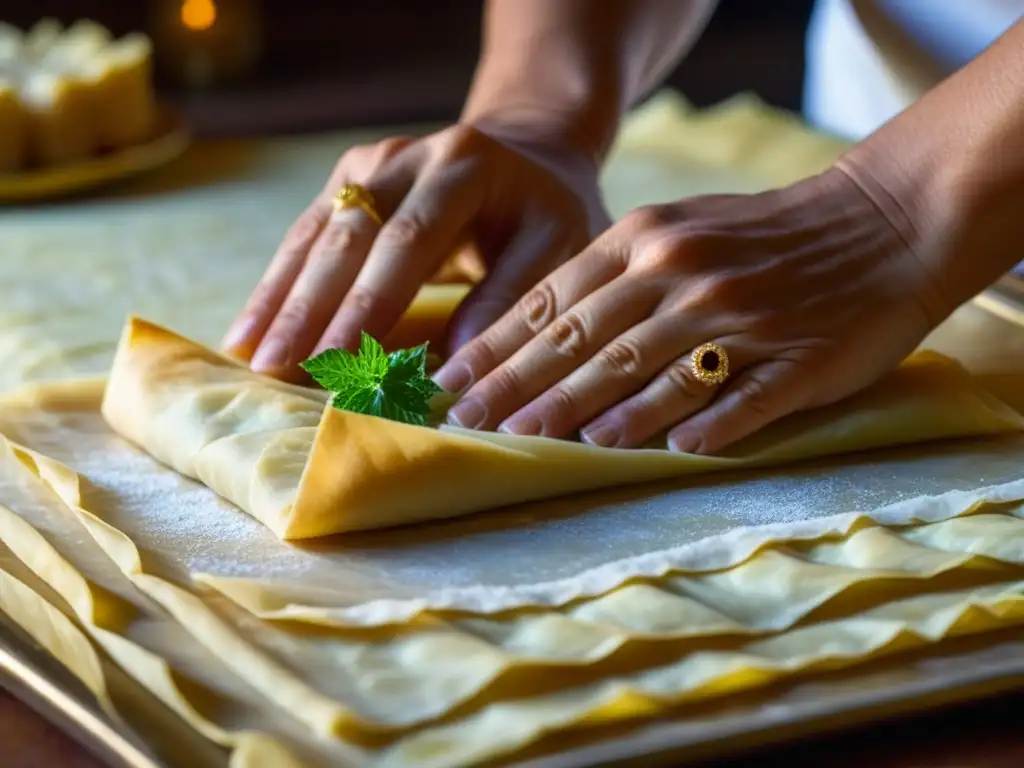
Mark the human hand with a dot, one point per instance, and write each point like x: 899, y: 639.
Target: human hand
x: 813, y: 292
x: 527, y: 202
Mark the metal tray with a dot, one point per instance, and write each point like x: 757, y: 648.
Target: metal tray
x: 30, y: 674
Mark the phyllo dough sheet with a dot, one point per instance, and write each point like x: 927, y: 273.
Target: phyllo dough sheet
x: 306, y: 470
x: 143, y: 667
x: 562, y: 555
x: 444, y: 672
x: 961, y: 567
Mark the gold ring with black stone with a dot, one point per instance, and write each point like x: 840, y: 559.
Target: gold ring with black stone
x: 710, y: 363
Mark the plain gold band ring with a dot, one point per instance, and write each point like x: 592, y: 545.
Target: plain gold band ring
x: 354, y: 195
x: 710, y: 364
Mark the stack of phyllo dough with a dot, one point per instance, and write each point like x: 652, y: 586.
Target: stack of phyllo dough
x: 67, y: 94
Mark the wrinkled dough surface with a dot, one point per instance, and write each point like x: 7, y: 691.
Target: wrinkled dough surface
x: 689, y: 636
x: 306, y: 470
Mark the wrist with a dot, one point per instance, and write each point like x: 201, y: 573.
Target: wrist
x: 547, y: 138
x: 557, y: 146
x: 576, y: 114
x: 948, y: 174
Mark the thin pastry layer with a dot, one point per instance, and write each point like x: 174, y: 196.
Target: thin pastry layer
x: 307, y: 470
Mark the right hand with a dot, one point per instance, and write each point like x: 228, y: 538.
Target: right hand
x: 527, y: 202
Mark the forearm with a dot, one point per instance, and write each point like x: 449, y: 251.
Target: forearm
x: 576, y: 66
x: 950, y: 171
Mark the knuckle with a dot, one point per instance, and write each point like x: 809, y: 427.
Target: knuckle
x: 756, y: 396
x: 403, y: 233
x: 562, y: 403
x: 478, y: 356
x: 724, y: 290
x: 623, y: 358
x: 296, y: 314
x: 647, y: 217
x: 388, y: 148
x: 459, y: 141
x: 679, y: 375
x: 716, y: 289
x: 568, y: 334
x: 334, y: 240
x: 539, y: 308
x: 364, y: 301
x: 503, y: 382
x: 661, y: 254
x: 683, y: 247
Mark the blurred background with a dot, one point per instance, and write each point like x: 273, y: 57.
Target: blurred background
x: 244, y: 67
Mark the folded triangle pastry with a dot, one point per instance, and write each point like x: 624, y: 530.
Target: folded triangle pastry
x: 306, y: 469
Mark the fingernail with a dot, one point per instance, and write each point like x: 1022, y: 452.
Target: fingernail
x: 601, y: 435
x: 468, y: 413
x: 684, y: 443
x: 522, y: 425
x: 272, y: 355
x: 454, y: 377
x: 238, y: 334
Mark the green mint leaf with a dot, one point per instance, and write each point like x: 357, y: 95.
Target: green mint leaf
x: 392, y: 386
x: 372, y: 357
x: 335, y: 370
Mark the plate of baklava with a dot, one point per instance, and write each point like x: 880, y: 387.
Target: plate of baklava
x: 78, y: 109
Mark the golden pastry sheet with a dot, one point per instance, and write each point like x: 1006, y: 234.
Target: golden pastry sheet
x: 898, y: 626
x: 307, y: 471
x: 503, y: 727
x: 99, y: 638
x: 387, y: 578
x: 369, y: 684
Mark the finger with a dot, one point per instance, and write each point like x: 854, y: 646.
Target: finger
x: 331, y: 267
x: 671, y: 396
x: 536, y: 250
x: 329, y: 270
x: 759, y: 396
x: 563, y: 346
x: 621, y: 369
x: 530, y: 315
x: 249, y: 328
x: 427, y: 228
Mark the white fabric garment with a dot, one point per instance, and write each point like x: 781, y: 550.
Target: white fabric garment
x: 867, y: 60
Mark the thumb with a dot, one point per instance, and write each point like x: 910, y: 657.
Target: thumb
x: 531, y: 254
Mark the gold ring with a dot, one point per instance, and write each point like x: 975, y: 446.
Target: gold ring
x: 710, y: 364
x: 354, y: 195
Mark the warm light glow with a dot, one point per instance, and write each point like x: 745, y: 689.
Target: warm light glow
x: 198, y: 14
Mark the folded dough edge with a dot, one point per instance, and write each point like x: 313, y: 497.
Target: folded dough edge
x: 308, y: 471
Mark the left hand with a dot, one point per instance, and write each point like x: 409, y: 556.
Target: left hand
x: 813, y: 292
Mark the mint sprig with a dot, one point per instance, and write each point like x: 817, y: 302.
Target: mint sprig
x: 392, y: 386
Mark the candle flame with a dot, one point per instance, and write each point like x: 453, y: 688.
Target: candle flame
x: 198, y: 14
